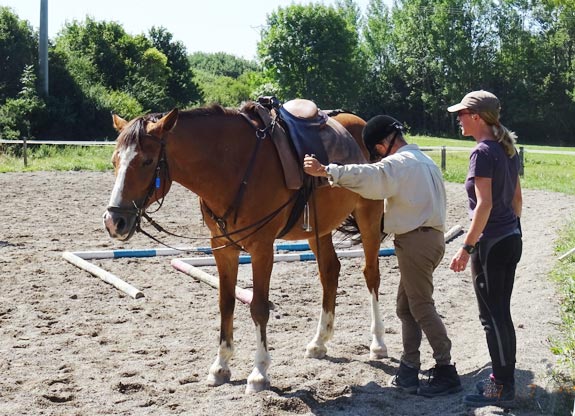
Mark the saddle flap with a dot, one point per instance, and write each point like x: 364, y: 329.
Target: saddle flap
x: 293, y: 173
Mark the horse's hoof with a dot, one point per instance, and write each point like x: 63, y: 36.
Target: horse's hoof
x: 219, y: 376
x: 315, y: 351
x: 257, y: 382
x: 256, y: 387
x: 377, y: 353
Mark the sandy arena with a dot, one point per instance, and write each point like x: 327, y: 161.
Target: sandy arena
x: 71, y: 344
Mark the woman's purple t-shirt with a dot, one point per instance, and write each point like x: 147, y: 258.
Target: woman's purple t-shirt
x: 489, y: 160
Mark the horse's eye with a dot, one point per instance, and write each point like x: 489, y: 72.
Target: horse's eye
x: 148, y: 162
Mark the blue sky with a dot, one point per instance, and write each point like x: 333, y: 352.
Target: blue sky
x: 231, y: 26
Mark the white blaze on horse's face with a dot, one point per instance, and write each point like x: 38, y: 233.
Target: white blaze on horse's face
x: 124, y: 159
x: 120, y: 225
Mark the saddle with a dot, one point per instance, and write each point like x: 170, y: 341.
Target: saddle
x: 299, y: 127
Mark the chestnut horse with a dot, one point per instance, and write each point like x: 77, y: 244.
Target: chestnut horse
x: 208, y: 150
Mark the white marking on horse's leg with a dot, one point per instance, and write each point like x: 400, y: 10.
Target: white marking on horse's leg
x: 258, y: 380
x: 220, y: 372
x: 377, y: 349
x: 125, y: 157
x: 316, y: 348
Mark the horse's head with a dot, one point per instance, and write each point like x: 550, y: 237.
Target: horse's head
x: 141, y: 169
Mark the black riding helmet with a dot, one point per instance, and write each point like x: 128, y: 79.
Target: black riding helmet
x: 377, y: 129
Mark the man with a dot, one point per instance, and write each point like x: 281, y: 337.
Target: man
x: 412, y: 185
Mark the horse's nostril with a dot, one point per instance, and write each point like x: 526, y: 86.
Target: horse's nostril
x: 120, y: 224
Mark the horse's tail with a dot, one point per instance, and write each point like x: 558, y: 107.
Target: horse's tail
x: 350, y: 228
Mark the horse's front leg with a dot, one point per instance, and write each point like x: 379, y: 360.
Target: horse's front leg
x: 329, y: 267
x: 262, y: 264
x: 227, y: 264
x: 368, y: 215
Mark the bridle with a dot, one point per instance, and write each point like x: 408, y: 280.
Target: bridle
x: 159, y: 180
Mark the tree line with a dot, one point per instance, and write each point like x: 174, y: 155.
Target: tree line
x: 410, y: 60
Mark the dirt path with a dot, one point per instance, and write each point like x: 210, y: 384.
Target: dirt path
x: 73, y: 345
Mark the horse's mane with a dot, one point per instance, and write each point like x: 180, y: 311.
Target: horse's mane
x: 211, y: 110
x: 136, y: 128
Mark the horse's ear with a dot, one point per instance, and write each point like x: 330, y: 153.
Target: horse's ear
x: 119, y: 122
x: 164, y: 124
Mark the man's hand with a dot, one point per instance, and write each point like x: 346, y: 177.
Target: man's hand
x: 312, y: 167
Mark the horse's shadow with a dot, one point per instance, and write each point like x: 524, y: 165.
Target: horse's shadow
x: 378, y: 398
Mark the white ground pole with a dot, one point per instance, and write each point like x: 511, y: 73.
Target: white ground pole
x: 102, y: 274
x: 80, y: 259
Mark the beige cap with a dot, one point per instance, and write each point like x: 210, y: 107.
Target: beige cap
x: 478, y: 101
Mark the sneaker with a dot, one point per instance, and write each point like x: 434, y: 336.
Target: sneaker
x: 494, y: 394
x: 443, y: 380
x: 480, y: 385
x: 406, y: 379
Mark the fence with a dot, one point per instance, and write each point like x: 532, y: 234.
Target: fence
x: 442, y: 149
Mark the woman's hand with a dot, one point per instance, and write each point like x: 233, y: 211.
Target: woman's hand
x: 312, y: 167
x: 459, y: 261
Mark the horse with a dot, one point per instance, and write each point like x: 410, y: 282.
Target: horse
x: 208, y: 150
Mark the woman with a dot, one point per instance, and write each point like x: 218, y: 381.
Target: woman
x: 493, y: 242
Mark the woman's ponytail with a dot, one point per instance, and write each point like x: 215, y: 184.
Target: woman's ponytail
x: 507, y: 138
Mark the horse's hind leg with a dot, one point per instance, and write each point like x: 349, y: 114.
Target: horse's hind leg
x: 227, y: 264
x: 329, y: 267
x: 368, y: 214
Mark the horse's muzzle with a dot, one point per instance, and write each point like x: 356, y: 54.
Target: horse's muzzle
x: 120, y: 225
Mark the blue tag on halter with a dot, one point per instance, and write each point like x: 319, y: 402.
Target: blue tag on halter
x: 157, y: 182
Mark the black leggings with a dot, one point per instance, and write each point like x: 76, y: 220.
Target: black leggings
x: 493, y: 271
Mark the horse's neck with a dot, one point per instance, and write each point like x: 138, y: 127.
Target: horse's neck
x: 207, y: 152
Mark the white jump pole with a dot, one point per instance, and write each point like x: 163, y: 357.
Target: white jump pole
x: 241, y: 294
x: 102, y: 274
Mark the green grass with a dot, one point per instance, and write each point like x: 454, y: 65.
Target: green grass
x: 541, y: 171
x: 58, y: 158
x: 564, y: 345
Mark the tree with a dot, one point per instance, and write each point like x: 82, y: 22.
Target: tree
x: 181, y: 87
x: 221, y: 63
x: 17, y: 114
x: 381, y: 88
x: 435, y: 48
x: 312, y: 52
x: 227, y: 79
x: 18, y: 49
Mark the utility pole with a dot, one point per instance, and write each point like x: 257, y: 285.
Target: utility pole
x: 43, y: 46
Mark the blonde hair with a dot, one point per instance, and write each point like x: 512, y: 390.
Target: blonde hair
x: 506, y: 137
